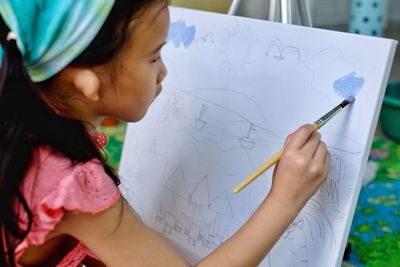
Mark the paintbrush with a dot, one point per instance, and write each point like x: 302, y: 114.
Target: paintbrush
x: 276, y: 157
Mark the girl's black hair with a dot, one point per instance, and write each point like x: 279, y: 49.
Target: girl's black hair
x: 27, y: 122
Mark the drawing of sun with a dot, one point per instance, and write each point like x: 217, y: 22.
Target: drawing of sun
x: 237, y: 43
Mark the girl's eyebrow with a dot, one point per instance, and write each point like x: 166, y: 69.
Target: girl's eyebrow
x: 158, y: 48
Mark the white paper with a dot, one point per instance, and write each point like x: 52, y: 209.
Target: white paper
x: 236, y: 88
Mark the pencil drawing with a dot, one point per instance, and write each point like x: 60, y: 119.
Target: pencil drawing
x: 279, y: 51
x: 237, y: 43
x: 224, y: 113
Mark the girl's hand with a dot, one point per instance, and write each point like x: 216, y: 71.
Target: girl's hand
x: 302, y: 169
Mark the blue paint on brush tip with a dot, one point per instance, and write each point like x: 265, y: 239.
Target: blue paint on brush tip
x: 350, y: 99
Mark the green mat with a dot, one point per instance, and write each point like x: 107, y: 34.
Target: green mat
x: 375, y: 231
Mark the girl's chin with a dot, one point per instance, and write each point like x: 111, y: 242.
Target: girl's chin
x: 136, y: 117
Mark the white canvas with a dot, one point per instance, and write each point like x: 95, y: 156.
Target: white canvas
x: 236, y: 88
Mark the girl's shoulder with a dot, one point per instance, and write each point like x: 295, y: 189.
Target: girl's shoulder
x: 54, y: 184
x: 52, y: 174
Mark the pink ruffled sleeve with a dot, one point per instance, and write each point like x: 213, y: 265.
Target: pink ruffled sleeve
x: 55, y: 187
x: 88, y: 189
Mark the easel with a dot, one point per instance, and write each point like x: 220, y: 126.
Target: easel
x: 282, y: 10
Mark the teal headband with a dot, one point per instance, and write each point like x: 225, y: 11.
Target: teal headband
x: 52, y: 33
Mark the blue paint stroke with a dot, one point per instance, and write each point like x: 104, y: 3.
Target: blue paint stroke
x: 179, y: 34
x: 348, y: 85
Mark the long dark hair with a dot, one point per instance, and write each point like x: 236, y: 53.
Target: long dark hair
x: 27, y: 122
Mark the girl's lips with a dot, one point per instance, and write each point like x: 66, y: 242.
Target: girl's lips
x: 159, y: 89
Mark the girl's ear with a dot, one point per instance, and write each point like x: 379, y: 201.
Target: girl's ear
x: 87, y: 82
x: 83, y: 82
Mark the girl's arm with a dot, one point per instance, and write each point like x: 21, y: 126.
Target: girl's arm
x: 119, y: 238
x: 303, y: 167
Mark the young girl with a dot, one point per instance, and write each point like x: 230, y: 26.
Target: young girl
x: 67, y: 64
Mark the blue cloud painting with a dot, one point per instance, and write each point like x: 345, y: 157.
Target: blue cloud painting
x: 179, y: 34
x: 348, y: 85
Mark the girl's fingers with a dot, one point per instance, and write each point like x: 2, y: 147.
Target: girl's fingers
x: 312, y: 144
x: 327, y: 163
x: 321, y: 154
x: 300, y: 137
x: 288, y: 138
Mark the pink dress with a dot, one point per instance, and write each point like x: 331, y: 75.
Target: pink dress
x: 54, y: 185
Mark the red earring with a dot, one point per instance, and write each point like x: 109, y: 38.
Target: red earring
x: 100, y: 138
